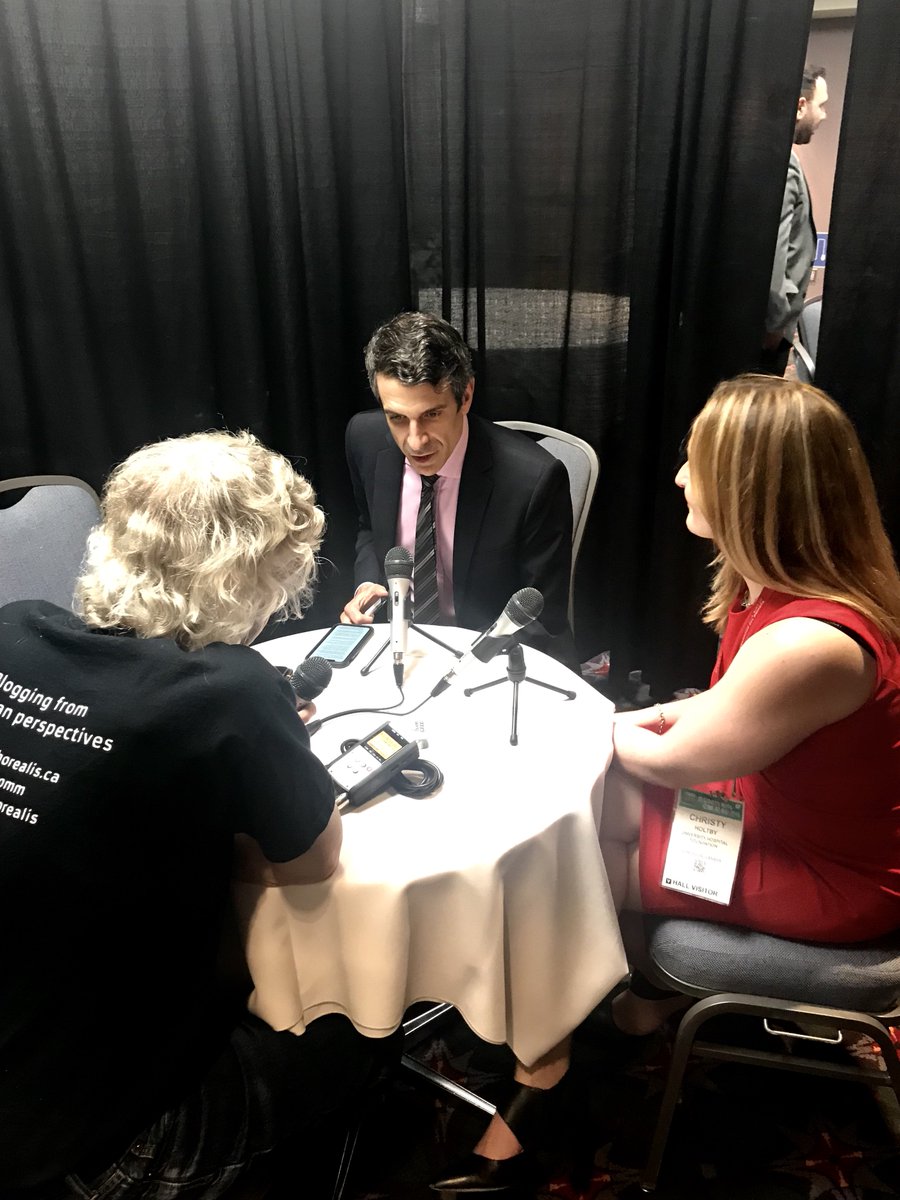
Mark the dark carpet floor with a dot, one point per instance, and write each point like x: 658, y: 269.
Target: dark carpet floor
x: 741, y: 1132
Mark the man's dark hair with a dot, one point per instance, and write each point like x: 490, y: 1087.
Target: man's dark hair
x: 810, y: 75
x: 417, y: 347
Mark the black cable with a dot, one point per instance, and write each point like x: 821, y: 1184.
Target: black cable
x: 409, y: 712
x: 313, y: 726
x: 430, y: 779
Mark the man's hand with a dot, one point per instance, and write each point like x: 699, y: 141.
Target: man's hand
x: 306, y: 710
x: 355, y: 610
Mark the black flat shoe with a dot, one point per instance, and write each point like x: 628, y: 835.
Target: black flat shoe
x: 478, y: 1176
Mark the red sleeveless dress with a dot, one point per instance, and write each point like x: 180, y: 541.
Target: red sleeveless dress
x: 820, y: 857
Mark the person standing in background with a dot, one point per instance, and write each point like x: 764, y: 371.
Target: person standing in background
x: 795, y: 249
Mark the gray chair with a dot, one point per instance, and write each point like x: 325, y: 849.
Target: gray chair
x: 580, y: 460
x: 825, y: 988
x: 806, y: 347
x: 43, y: 537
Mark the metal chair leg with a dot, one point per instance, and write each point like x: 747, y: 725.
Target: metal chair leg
x: 411, y: 1029
x: 447, y: 1085
x: 348, y: 1150
x: 889, y: 1053
x: 695, y: 1016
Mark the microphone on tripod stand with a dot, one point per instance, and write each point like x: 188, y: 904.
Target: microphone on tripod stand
x: 398, y: 572
x: 515, y: 674
x: 523, y: 607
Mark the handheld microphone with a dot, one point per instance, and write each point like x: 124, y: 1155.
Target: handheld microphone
x: 522, y: 608
x: 311, y: 678
x: 398, y: 569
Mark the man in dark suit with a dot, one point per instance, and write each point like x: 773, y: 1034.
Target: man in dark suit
x: 501, y: 504
x: 795, y: 250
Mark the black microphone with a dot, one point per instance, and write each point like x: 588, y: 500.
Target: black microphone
x: 522, y: 608
x: 398, y: 569
x: 311, y: 678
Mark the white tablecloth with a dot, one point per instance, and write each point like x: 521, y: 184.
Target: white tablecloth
x: 490, y: 894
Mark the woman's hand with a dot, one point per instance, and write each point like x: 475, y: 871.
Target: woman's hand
x: 789, y: 680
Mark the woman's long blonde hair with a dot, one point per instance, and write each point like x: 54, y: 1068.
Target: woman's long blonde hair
x: 781, y: 478
x: 202, y: 538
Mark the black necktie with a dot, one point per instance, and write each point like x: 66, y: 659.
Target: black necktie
x: 426, y: 607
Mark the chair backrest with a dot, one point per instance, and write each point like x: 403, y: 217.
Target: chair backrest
x: 580, y: 460
x: 43, y: 537
x: 807, y: 345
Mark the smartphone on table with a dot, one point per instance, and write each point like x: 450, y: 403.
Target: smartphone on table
x: 341, y: 644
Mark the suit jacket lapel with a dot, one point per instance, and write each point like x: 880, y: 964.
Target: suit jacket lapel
x: 388, y: 485
x: 475, y: 486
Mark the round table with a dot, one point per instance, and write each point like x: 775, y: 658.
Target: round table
x: 489, y: 894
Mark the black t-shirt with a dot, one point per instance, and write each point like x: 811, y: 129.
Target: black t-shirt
x: 126, y: 767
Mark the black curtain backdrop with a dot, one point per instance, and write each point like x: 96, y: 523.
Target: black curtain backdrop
x: 715, y: 110
x: 202, y: 216
x: 594, y: 201
x: 206, y: 207
x: 859, y: 345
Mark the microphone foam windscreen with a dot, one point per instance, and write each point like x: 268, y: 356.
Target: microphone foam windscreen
x: 525, y: 605
x: 398, y: 563
x: 311, y: 678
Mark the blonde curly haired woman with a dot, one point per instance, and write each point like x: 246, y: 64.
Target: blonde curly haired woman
x: 140, y: 739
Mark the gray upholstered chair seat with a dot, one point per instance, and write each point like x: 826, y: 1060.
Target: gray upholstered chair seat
x: 802, y: 992
x: 721, y: 958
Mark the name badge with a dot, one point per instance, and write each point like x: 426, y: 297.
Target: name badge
x: 704, y: 844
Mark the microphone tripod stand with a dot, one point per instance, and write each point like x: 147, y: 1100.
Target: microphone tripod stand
x: 387, y: 641
x: 515, y: 674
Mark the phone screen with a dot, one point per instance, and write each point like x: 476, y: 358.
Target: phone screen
x: 341, y: 644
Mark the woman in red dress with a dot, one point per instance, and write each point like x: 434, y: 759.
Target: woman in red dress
x: 801, y: 722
